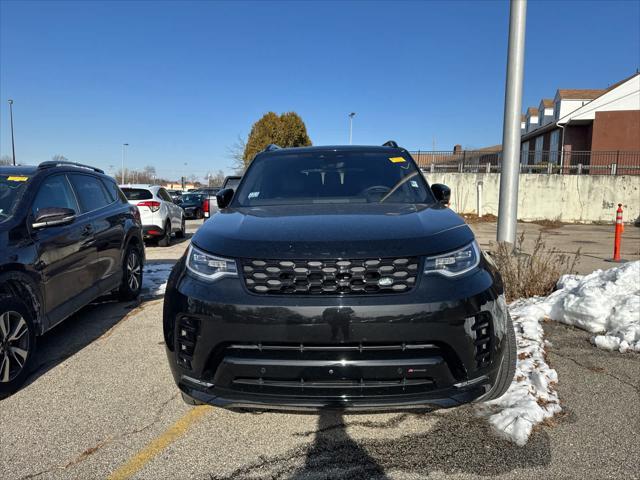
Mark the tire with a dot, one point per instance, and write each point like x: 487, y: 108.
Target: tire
x: 199, y: 214
x: 183, y: 230
x: 165, y: 241
x: 132, y: 271
x: 507, y: 368
x: 15, y: 319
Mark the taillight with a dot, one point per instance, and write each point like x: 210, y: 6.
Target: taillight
x: 136, y: 214
x: 152, y: 205
x: 205, y: 205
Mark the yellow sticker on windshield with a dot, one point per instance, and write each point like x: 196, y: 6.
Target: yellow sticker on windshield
x: 17, y: 179
x: 397, y: 159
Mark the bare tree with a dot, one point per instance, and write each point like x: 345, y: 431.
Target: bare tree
x: 236, y: 154
x: 215, y: 179
x: 6, y: 160
x: 59, y: 158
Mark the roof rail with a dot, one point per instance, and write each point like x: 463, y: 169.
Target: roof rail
x: 390, y: 143
x: 271, y: 147
x: 59, y: 163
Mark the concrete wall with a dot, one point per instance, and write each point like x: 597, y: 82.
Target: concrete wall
x: 568, y: 198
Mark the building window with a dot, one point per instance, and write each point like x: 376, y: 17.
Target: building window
x: 555, y: 147
x: 524, y: 157
x: 537, y: 158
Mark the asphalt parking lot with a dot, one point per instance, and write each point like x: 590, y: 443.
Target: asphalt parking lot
x: 102, y: 404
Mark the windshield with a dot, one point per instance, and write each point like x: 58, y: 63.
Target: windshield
x: 137, y: 193
x: 333, y: 177
x: 191, y: 198
x: 11, y: 189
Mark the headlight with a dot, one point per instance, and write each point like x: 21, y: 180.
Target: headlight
x: 454, y: 263
x: 209, y: 266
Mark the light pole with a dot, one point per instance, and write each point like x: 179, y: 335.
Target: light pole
x: 13, y: 145
x: 351, y: 115
x: 124, y: 145
x: 508, y: 200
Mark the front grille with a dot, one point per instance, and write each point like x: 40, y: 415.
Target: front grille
x: 482, y: 327
x: 332, y: 370
x: 341, y: 277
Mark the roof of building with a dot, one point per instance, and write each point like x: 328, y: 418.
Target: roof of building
x: 532, y: 111
x: 523, y: 117
x: 580, y: 94
x: 547, y: 102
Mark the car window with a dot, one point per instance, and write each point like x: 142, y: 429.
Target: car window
x: 54, y: 192
x: 12, y: 187
x: 192, y: 198
x: 113, y: 190
x: 333, y: 177
x: 91, y: 193
x: 162, y: 193
x: 137, y: 193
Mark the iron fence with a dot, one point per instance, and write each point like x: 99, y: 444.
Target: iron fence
x: 544, y: 162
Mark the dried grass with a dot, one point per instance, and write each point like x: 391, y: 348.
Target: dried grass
x: 535, y: 273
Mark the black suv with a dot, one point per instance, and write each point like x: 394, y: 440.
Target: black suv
x: 335, y: 277
x: 67, y: 236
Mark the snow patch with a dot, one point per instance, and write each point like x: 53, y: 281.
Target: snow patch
x: 605, y: 302
x: 154, y: 279
x: 531, y: 398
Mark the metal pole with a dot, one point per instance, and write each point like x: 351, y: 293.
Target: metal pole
x: 13, y: 145
x: 508, y: 203
x: 351, y: 115
x: 123, y: 148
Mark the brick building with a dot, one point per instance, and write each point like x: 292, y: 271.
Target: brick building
x: 598, y: 129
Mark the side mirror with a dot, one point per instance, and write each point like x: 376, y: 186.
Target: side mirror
x: 51, y: 217
x: 441, y: 192
x: 224, y: 197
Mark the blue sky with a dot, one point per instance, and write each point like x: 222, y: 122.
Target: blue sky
x: 180, y: 81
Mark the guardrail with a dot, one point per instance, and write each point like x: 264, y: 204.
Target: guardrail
x: 544, y: 162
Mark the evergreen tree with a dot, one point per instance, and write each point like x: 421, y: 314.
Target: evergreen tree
x: 286, y: 130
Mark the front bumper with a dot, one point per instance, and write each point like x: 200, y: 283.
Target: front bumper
x: 438, y: 346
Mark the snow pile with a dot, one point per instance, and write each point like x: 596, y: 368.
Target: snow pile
x: 154, y: 279
x: 531, y: 398
x: 605, y: 302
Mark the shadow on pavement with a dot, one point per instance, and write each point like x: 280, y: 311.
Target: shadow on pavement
x: 457, y: 442
x: 78, y: 331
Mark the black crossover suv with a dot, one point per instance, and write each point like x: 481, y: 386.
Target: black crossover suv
x: 67, y: 236
x: 334, y: 277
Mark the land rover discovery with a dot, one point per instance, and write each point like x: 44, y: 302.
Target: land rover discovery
x: 335, y: 277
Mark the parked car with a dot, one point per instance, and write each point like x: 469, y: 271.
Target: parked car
x: 67, y: 236
x: 336, y: 277
x: 211, y: 203
x: 176, y: 196
x: 160, y: 216
x: 192, y: 204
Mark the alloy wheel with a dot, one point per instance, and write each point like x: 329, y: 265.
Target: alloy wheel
x: 14, y: 345
x: 134, y: 271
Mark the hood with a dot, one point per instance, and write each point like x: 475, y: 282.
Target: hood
x: 333, y: 231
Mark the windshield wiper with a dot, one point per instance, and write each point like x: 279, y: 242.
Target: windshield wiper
x: 398, y: 185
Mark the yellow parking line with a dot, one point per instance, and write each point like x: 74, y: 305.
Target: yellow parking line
x: 169, y: 436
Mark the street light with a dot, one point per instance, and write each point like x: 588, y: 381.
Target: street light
x: 13, y: 145
x: 351, y: 115
x: 123, y: 149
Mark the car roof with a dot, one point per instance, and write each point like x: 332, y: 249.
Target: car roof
x: 142, y: 186
x: 333, y: 148
x: 19, y: 169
